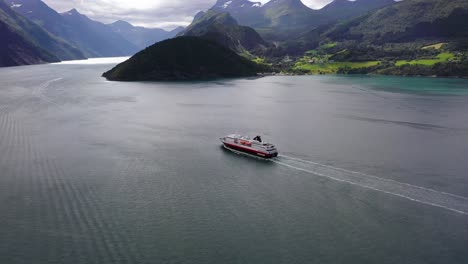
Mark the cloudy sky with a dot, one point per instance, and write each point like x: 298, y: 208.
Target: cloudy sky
x: 150, y: 13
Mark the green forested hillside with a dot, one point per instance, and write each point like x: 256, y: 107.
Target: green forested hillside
x: 345, y: 9
x: 411, y: 37
x: 183, y: 58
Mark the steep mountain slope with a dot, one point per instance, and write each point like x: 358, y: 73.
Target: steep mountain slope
x: 223, y: 28
x: 24, y: 42
x: 39, y: 12
x: 407, y: 21
x: 15, y: 49
x: 287, y: 13
x: 140, y: 36
x: 411, y: 37
x: 94, y: 38
x: 345, y: 9
x: 183, y: 58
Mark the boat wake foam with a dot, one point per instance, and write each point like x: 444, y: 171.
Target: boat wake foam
x: 448, y: 201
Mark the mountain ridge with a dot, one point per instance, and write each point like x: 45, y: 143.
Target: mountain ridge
x: 279, y: 20
x: 94, y: 37
x: 224, y: 29
x: 75, y: 28
x: 405, y: 21
x: 140, y: 36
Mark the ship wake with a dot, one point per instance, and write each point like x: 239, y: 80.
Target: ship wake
x: 448, y: 201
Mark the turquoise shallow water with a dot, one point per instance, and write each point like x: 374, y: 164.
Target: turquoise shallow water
x: 414, y: 85
x: 373, y: 169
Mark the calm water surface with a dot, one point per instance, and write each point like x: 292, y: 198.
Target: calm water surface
x: 373, y: 169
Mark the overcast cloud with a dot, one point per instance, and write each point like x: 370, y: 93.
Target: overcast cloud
x: 166, y: 14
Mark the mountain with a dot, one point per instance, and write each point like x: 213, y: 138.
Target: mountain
x: 183, y: 58
x: 140, y: 36
x: 16, y: 48
x: 95, y: 39
x: 274, y: 14
x: 176, y: 31
x: 250, y: 13
x: 345, y: 9
x: 236, y: 6
x: 198, y: 16
x: 287, y: 13
x: 285, y: 19
x: 406, y: 21
x: 224, y: 29
x: 410, y: 37
x: 24, y: 42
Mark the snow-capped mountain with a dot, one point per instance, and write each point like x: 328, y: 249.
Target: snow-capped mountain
x: 255, y: 14
x: 229, y: 5
x: 248, y: 12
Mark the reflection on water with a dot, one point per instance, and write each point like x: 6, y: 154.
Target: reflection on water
x: 94, y: 61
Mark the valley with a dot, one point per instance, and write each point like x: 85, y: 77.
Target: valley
x: 49, y: 36
x: 430, y: 61
x: 286, y: 37
x: 410, y: 37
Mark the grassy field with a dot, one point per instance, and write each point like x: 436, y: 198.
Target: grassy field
x: 333, y: 67
x: 261, y: 61
x: 434, y: 46
x: 312, y: 53
x: 322, y: 49
x: 443, y: 57
x: 328, y: 45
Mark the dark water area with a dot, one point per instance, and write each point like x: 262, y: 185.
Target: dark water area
x: 372, y: 169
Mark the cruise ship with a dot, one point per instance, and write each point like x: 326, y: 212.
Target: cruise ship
x: 250, y: 146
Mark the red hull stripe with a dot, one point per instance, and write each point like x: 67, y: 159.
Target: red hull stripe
x: 248, y: 150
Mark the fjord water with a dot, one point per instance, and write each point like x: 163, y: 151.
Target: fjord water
x: 373, y: 169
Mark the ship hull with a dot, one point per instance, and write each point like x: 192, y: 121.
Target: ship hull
x: 250, y: 151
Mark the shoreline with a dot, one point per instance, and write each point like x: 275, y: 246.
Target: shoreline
x: 356, y: 74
